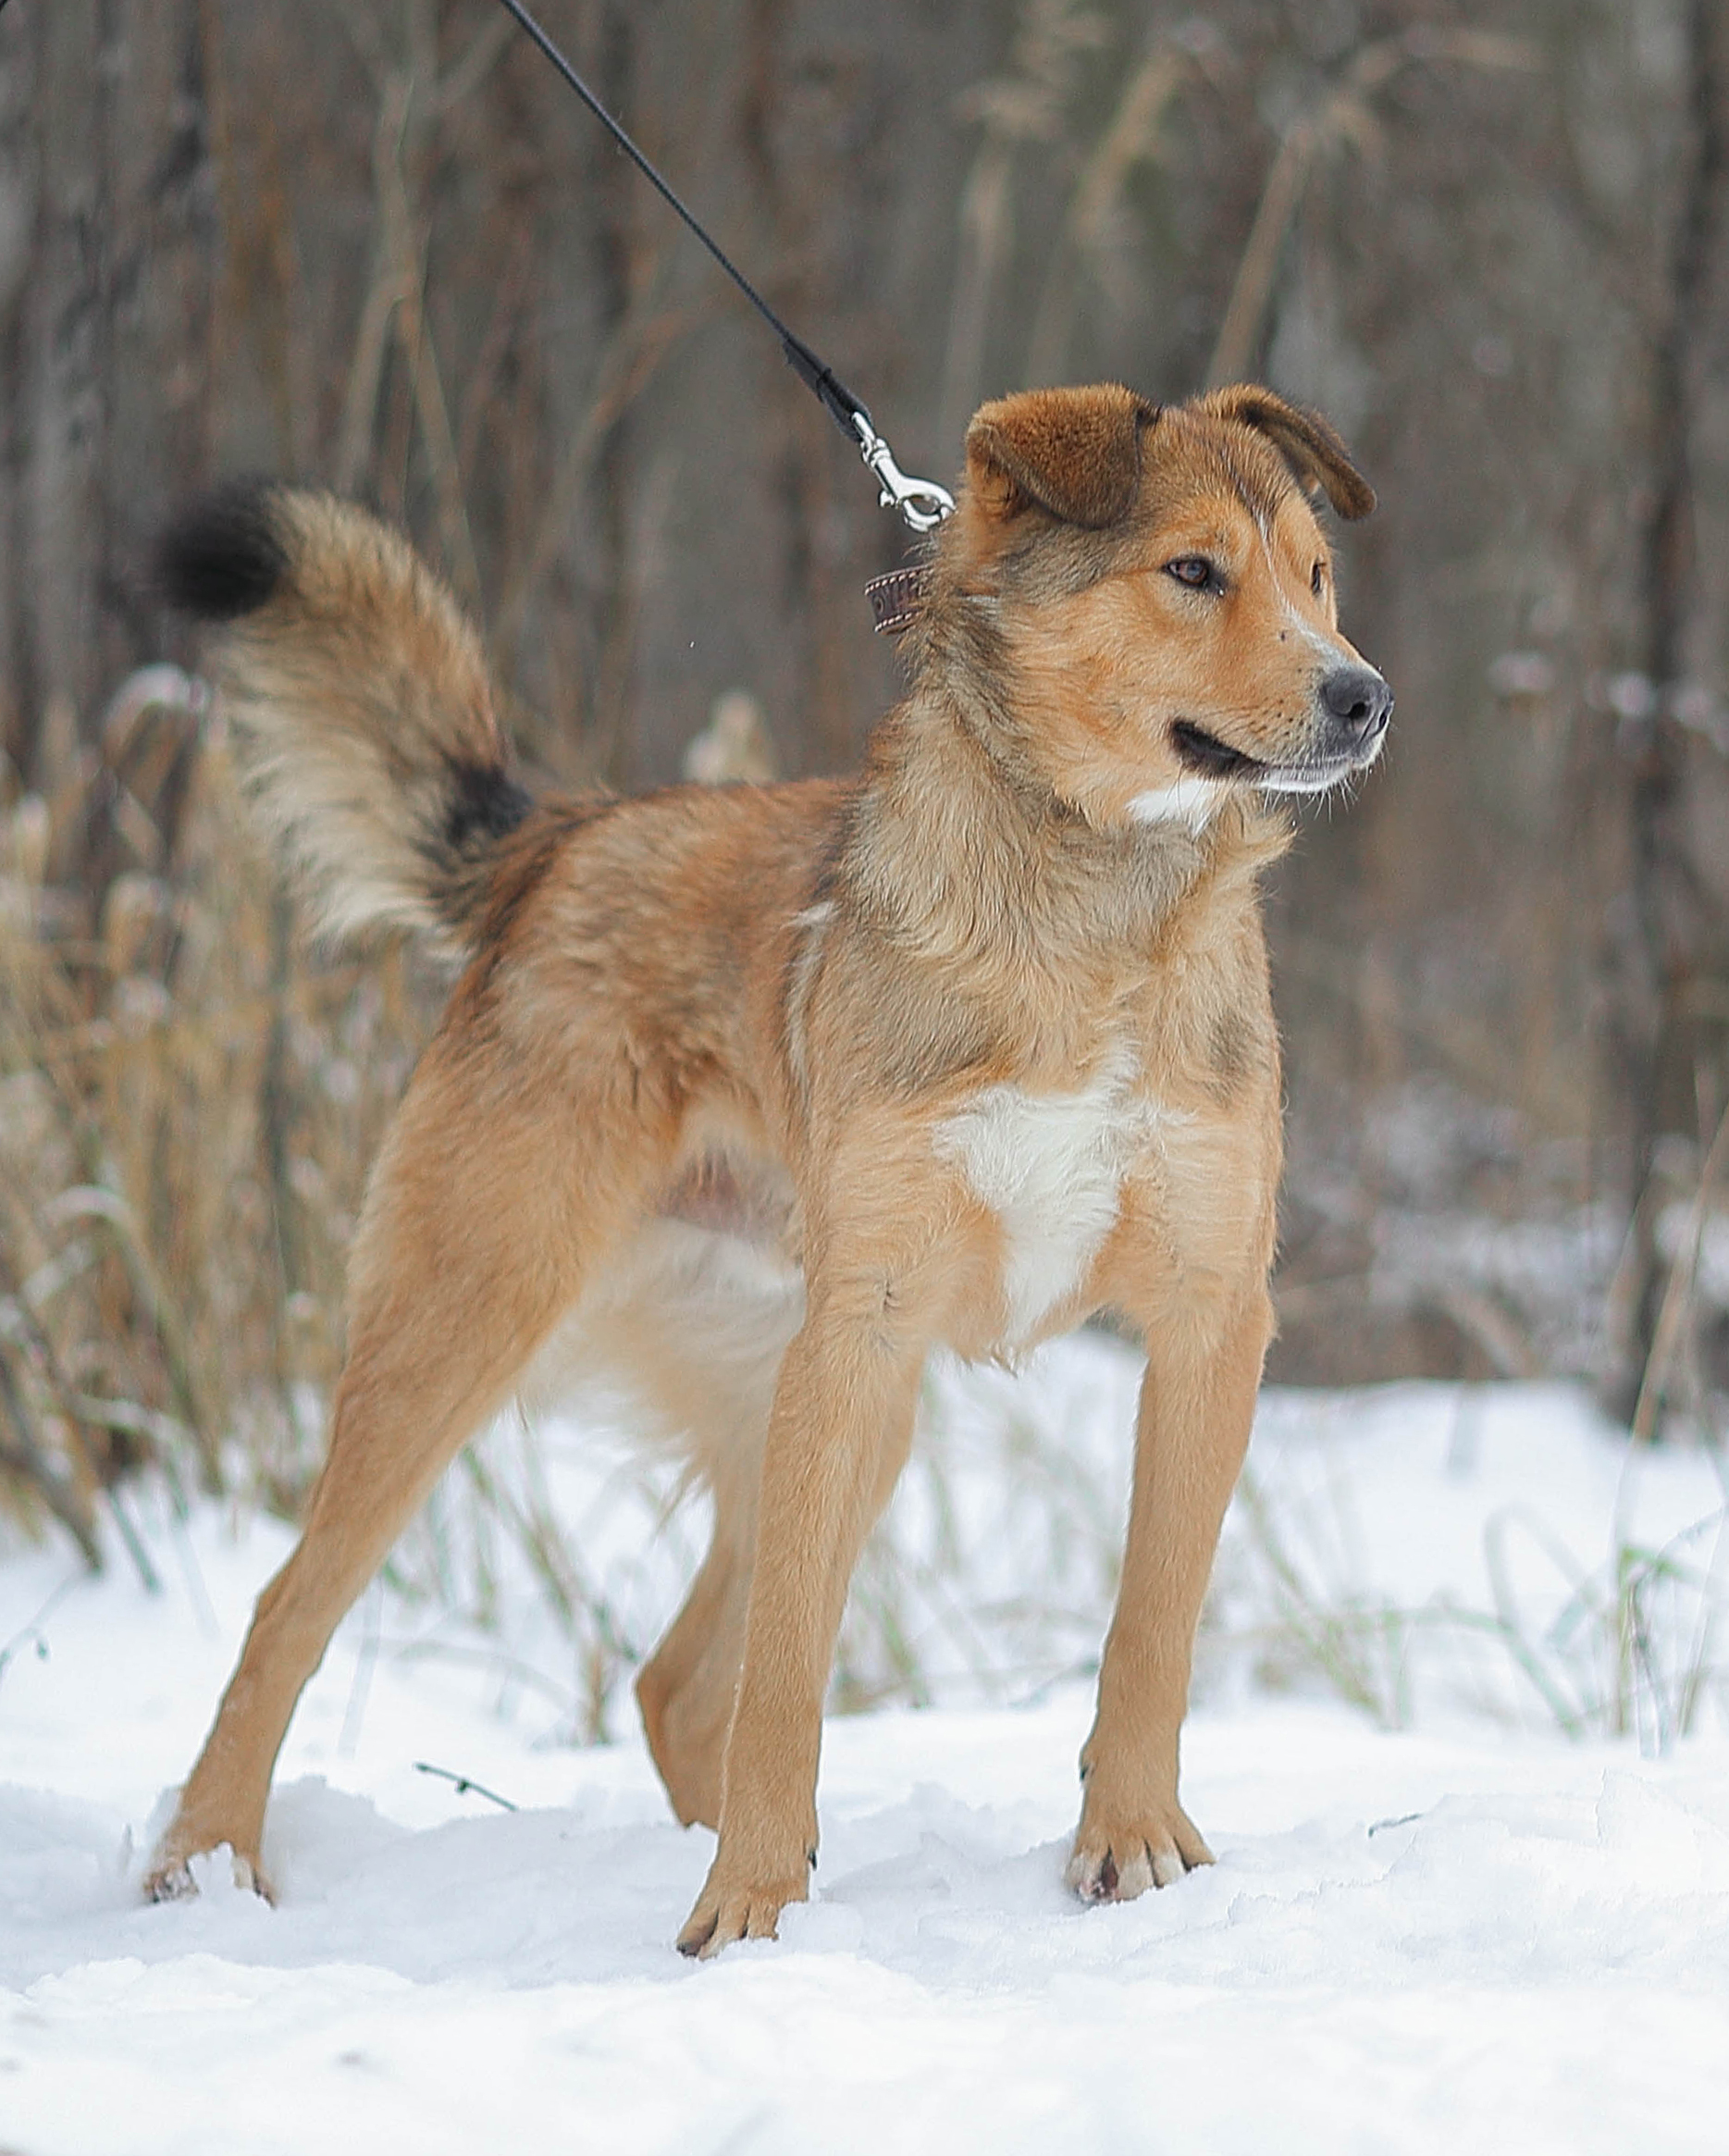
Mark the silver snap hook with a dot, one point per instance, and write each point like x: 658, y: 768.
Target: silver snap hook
x: 922, y: 502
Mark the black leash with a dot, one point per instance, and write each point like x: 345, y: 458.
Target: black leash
x: 896, y: 598
x: 922, y: 502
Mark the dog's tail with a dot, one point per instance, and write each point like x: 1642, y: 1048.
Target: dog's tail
x: 361, y: 703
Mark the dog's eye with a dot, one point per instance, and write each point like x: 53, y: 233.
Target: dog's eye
x: 1194, y: 570
x: 1317, y: 578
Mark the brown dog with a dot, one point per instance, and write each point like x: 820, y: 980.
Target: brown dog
x: 750, y: 1095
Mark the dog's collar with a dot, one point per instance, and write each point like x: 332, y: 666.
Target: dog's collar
x: 898, y: 599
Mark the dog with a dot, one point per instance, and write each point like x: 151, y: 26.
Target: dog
x: 748, y: 1096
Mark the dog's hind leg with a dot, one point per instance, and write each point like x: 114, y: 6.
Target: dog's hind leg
x: 685, y: 1690
x: 490, y: 1199
x: 699, y: 1343
x: 687, y: 1693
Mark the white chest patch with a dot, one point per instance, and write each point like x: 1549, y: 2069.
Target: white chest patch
x: 1188, y: 801
x: 1050, y: 1166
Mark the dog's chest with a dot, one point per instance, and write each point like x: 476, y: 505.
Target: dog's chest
x: 1051, y: 1167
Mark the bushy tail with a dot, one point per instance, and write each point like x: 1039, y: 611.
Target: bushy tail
x: 361, y: 704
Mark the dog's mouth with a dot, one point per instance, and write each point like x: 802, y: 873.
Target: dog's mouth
x: 1208, y: 756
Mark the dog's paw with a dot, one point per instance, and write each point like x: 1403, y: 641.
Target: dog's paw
x: 732, y: 1908
x: 1118, y: 1853
x: 174, y: 1877
x: 170, y: 1882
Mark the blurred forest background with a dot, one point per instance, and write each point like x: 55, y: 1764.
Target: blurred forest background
x: 381, y: 249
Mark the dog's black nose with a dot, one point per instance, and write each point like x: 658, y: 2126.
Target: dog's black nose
x: 1358, y: 700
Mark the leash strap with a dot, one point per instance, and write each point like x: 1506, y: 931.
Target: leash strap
x: 922, y: 502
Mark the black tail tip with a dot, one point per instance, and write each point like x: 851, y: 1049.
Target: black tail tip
x: 223, y: 555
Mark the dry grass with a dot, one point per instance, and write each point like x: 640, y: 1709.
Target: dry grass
x: 188, y: 1103
x: 1343, y: 118
x: 1595, y: 1634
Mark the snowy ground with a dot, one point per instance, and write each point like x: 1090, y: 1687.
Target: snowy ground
x: 1470, y: 1934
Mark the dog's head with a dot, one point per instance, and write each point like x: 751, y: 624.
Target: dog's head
x: 1165, y: 593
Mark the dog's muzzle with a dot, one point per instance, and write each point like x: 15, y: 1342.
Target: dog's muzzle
x: 1356, y: 704
x: 1354, y: 707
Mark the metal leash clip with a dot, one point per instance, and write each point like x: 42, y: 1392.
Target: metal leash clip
x: 922, y: 502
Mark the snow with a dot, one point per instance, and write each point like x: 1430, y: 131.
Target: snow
x: 1470, y: 1932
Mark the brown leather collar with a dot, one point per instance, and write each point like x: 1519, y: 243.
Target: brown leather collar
x: 898, y: 600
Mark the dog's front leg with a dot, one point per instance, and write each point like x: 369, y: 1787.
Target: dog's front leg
x: 838, y: 1436
x: 1197, y: 1401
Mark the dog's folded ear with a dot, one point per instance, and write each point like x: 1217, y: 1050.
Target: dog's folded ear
x: 1075, y: 454
x: 1304, y: 438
